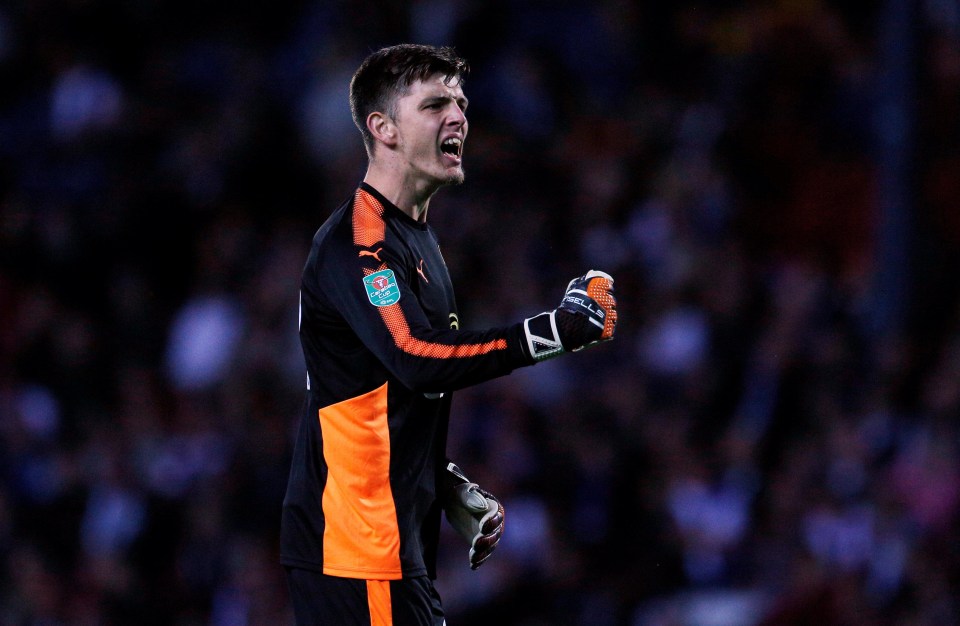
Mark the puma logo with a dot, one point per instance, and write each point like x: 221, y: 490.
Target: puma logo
x: 420, y: 271
x: 375, y: 254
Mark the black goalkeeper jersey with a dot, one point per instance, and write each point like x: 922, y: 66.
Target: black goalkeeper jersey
x: 383, y: 349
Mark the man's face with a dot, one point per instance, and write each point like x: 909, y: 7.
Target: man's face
x: 432, y: 127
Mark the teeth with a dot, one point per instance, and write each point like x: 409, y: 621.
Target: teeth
x: 452, y: 145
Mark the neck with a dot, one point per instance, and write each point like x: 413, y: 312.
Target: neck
x: 403, y: 190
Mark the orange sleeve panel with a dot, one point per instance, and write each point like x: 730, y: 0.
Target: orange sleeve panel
x: 396, y: 323
x: 400, y: 331
x: 361, y: 538
x: 368, y: 225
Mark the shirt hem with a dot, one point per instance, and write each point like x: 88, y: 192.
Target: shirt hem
x: 359, y: 573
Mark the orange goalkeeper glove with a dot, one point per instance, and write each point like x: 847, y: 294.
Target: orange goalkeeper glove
x: 587, y: 315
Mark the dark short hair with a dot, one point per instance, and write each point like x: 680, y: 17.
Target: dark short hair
x: 387, y: 74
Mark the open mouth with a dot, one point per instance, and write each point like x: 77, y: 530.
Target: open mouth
x: 452, y: 146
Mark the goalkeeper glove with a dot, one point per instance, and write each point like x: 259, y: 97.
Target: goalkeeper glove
x: 586, y: 315
x: 474, y: 513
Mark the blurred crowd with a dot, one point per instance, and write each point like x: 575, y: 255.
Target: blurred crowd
x: 772, y: 438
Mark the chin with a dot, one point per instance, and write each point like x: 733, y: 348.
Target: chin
x: 447, y: 176
x: 455, y: 178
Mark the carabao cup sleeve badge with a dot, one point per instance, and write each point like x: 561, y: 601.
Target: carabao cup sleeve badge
x: 382, y: 288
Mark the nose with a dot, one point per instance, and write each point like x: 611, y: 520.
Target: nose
x: 457, y: 116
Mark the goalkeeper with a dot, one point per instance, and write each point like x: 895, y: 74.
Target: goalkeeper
x: 380, y: 333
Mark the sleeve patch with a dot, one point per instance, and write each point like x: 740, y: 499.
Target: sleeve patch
x: 382, y: 288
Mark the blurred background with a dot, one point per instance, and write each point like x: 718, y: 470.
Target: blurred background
x: 772, y: 439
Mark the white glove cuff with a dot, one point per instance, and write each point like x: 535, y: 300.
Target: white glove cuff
x: 543, y: 338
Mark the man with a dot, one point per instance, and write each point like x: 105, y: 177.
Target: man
x: 384, y: 350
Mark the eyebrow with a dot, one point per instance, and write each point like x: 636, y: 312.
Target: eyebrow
x: 461, y: 101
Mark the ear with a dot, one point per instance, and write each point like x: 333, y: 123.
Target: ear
x: 382, y: 128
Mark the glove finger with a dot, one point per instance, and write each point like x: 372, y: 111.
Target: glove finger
x: 598, y: 274
x: 476, y: 559
x: 601, y: 290
x: 489, y: 536
x: 483, y: 547
x: 491, y: 522
x: 488, y: 541
x: 492, y: 513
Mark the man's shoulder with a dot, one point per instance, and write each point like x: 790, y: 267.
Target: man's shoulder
x: 337, y: 224
x: 360, y: 228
